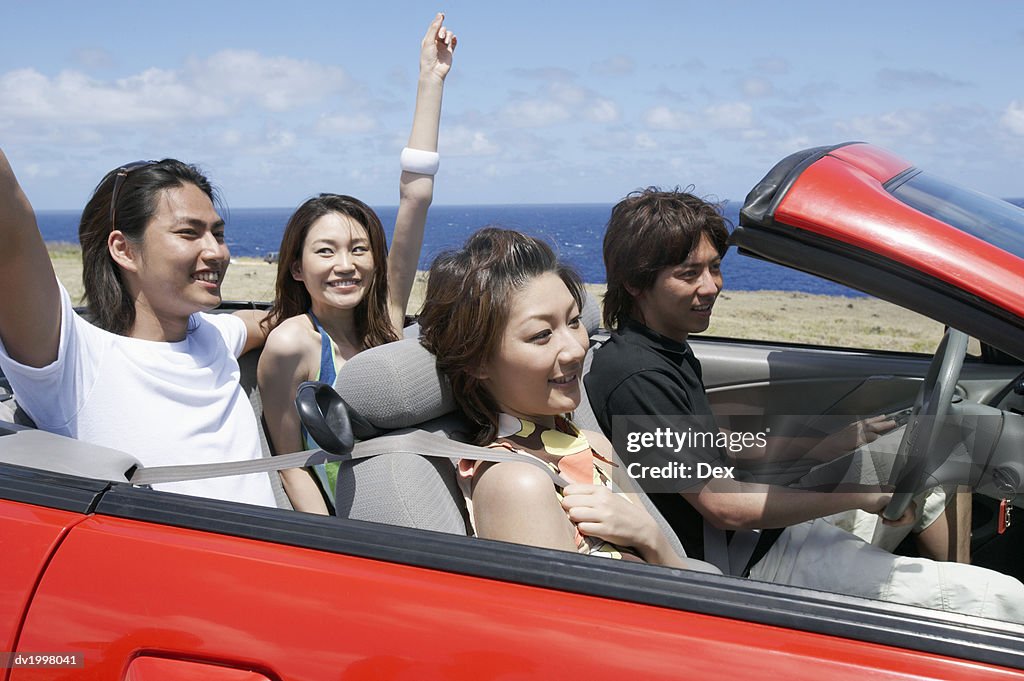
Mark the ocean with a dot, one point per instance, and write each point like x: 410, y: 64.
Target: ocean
x: 574, y: 230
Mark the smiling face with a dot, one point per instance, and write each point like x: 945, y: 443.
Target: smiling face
x: 178, y: 267
x: 336, y: 264
x: 536, y: 370
x: 681, y: 299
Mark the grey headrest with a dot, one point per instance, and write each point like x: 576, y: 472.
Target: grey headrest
x: 396, y: 385
x: 590, y: 315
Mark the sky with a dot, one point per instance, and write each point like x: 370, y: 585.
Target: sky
x: 547, y: 102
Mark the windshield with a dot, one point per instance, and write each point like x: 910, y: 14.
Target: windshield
x: 998, y: 222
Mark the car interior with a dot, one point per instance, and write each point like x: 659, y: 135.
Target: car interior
x: 397, y: 388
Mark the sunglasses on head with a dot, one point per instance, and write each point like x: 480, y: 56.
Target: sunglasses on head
x: 122, y: 174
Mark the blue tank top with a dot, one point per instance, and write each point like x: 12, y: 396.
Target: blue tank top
x: 327, y: 473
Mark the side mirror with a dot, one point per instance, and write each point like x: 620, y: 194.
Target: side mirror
x: 328, y: 419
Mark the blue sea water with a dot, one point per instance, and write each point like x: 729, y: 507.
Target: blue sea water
x: 574, y: 230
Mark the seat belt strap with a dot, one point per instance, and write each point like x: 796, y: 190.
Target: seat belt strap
x: 408, y: 441
x: 741, y: 548
x: 729, y: 555
x: 716, y: 550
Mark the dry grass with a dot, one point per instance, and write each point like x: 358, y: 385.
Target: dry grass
x: 247, y: 279
x: 763, y: 315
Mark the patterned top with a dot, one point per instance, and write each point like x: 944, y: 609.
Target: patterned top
x: 566, y: 451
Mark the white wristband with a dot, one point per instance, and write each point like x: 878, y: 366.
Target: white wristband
x: 420, y: 161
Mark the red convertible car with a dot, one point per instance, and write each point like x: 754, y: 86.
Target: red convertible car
x: 104, y: 579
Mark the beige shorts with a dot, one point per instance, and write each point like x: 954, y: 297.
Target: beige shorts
x: 930, y: 505
x: 819, y: 555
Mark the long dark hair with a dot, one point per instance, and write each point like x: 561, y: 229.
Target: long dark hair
x: 373, y: 323
x: 648, y: 231
x: 107, y: 296
x: 468, y: 303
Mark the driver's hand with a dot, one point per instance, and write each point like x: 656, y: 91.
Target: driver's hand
x: 876, y: 502
x: 864, y: 431
x: 909, y: 516
x: 852, y: 436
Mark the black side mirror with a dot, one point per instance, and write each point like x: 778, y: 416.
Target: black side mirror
x: 329, y: 420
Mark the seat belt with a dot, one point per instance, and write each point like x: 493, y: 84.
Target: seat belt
x: 405, y: 441
x: 731, y: 557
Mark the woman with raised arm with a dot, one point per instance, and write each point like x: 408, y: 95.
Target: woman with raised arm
x: 502, y: 316
x: 339, y: 290
x: 154, y: 375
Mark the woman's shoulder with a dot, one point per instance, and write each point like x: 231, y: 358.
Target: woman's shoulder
x: 293, y: 336
x: 516, y: 479
x: 296, y: 329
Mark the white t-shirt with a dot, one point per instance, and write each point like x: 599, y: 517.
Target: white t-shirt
x: 164, y: 403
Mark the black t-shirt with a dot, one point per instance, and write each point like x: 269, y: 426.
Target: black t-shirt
x: 640, y: 372
x: 640, y: 382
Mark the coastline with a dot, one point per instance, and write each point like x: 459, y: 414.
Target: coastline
x: 788, y: 316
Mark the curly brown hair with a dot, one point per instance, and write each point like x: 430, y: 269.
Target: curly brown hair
x: 468, y: 302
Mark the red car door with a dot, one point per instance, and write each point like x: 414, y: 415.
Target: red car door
x: 263, y: 593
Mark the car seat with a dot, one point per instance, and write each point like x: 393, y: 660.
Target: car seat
x: 398, y: 386
x: 247, y: 365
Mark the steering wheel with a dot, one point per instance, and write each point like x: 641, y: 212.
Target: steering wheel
x: 917, y: 456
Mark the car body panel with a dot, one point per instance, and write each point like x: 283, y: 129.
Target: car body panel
x: 169, y: 592
x: 152, y: 668
x: 879, y: 163
x: 29, y: 535
x: 866, y: 216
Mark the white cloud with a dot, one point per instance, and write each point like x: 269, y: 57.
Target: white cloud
x: 889, y: 126
x: 616, y: 65
x: 275, y: 83
x: 663, y: 118
x: 40, y: 170
x: 151, y: 96
x: 341, y: 124
x: 732, y: 115
x: 916, y: 79
x: 269, y: 140
x: 280, y: 140
x: 555, y: 74
x: 536, y: 113
x: 220, y: 85
x: 603, y: 111
x: 230, y: 138
x: 557, y: 100
x: 570, y: 95
x: 645, y: 142
x: 772, y: 65
x: 756, y: 87
x: 461, y: 141
x: 728, y: 116
x: 1013, y: 117
x: 93, y: 58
